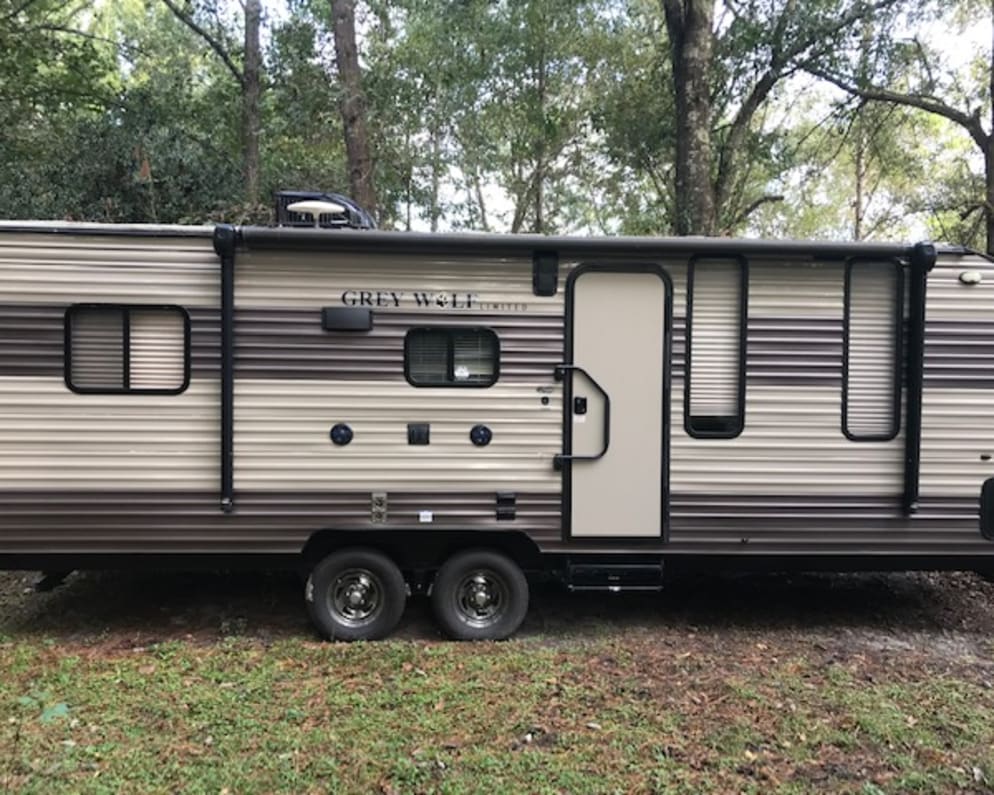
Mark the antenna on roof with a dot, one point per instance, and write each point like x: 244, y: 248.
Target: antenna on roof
x: 315, y: 208
x: 304, y: 208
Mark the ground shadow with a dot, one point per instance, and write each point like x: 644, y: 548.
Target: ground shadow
x: 146, y: 607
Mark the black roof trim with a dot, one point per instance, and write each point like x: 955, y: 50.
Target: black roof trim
x: 289, y: 239
x: 84, y: 229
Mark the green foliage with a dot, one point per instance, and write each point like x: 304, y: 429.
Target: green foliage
x: 540, y: 115
x: 622, y: 711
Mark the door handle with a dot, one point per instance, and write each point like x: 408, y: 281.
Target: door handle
x: 581, y: 403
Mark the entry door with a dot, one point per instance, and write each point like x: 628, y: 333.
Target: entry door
x: 616, y: 408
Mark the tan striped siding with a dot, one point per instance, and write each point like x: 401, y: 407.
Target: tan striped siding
x: 52, y: 439
x: 153, y: 521
x: 958, y: 399
x: 792, y: 443
x: 282, y: 426
x: 310, y: 281
x: 47, y: 269
x: 139, y: 472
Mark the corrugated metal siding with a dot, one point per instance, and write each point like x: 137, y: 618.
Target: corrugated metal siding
x: 282, y: 436
x: 282, y: 426
x: 792, y: 443
x: 295, y: 280
x: 65, y: 269
x: 52, y: 439
x: 151, y: 520
x: 791, y: 483
x: 290, y: 344
x: 958, y: 394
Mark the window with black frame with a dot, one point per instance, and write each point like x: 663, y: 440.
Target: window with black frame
x: 451, y: 357
x: 872, y: 360
x: 714, y: 384
x: 133, y: 349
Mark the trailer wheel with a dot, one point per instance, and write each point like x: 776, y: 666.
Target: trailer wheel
x: 356, y: 594
x: 479, y: 595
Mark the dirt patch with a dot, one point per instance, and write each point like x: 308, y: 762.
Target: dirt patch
x: 945, y: 616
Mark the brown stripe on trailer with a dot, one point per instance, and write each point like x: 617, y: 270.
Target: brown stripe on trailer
x: 32, y: 341
x: 274, y: 522
x: 290, y: 343
x: 787, y: 351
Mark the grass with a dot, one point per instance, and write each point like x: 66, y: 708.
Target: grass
x: 587, y: 716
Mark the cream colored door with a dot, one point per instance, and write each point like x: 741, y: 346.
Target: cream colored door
x: 615, y: 467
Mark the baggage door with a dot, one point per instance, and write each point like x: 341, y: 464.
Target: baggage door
x: 616, y: 404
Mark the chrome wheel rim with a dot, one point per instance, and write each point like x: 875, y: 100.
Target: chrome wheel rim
x: 481, y: 598
x: 356, y: 597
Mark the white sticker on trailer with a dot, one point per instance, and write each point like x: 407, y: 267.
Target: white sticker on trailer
x: 426, y: 516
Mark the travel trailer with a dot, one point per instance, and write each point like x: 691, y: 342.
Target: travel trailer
x: 447, y: 414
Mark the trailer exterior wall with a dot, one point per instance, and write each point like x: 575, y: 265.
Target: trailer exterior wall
x: 112, y: 474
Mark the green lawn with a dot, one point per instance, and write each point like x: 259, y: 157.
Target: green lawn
x: 628, y: 712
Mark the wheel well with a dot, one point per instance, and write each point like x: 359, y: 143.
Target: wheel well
x: 419, y: 550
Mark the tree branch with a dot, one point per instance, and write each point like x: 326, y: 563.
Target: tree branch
x: 91, y: 36
x: 968, y: 121
x: 753, y: 206
x: 212, y: 42
x: 781, y: 65
x: 22, y: 7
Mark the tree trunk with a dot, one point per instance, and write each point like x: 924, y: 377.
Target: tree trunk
x: 989, y: 193
x: 539, y: 225
x: 353, y: 105
x: 989, y: 156
x: 689, y: 23
x: 251, y: 92
x: 860, y: 177
x: 435, y: 211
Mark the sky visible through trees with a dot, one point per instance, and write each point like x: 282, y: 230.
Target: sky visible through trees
x: 844, y: 119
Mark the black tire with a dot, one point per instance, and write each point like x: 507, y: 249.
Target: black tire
x: 356, y: 594
x: 479, y: 594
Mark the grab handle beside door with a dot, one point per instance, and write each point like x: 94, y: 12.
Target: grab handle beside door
x: 560, y: 373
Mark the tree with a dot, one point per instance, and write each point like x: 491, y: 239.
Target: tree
x: 51, y: 56
x: 353, y: 105
x: 735, y: 64
x: 852, y: 173
x: 908, y: 73
x: 247, y: 76
x: 690, y: 24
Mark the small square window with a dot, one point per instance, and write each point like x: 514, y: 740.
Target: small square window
x: 127, y: 349
x: 451, y: 357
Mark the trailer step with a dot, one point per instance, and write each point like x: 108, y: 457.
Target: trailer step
x: 614, y: 577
